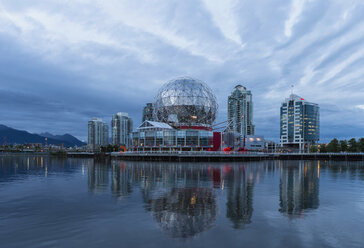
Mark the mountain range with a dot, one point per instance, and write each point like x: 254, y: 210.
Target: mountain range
x: 14, y: 136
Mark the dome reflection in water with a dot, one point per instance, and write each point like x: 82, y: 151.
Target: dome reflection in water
x: 184, y: 212
x: 181, y: 200
x: 182, y: 197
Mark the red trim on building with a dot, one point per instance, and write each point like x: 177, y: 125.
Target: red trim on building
x: 194, y: 128
x: 216, y: 141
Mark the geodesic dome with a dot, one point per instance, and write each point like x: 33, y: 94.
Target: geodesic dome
x: 185, y: 101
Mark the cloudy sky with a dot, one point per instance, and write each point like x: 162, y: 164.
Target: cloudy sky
x: 64, y: 62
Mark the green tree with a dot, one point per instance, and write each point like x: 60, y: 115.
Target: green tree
x: 333, y: 146
x: 361, y: 144
x: 313, y: 148
x: 353, y: 146
x: 108, y: 148
x: 343, y: 145
x: 323, y: 148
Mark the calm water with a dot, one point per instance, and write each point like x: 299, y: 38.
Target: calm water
x: 50, y: 202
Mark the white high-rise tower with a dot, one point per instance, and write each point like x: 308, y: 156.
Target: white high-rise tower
x: 98, y: 133
x: 121, y: 128
x: 240, y: 111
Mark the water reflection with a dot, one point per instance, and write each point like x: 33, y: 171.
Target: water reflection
x: 299, y: 187
x: 121, y: 181
x: 200, y: 200
x: 184, y: 212
x: 98, y: 176
x: 21, y: 167
x: 240, y: 183
x: 181, y: 196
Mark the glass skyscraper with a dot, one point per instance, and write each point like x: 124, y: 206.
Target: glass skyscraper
x: 121, y: 128
x: 98, y: 133
x: 148, y: 112
x: 300, y: 123
x: 240, y: 111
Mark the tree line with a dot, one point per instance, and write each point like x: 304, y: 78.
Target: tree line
x: 110, y: 148
x: 336, y: 145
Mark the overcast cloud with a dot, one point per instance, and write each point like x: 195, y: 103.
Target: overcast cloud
x: 64, y: 62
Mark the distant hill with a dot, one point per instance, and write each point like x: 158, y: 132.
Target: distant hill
x: 65, y: 138
x: 14, y: 136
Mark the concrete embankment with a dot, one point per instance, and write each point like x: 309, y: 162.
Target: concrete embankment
x: 218, y: 156
x: 88, y: 154
x: 234, y: 157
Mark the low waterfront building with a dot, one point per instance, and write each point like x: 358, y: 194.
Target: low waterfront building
x: 98, y: 133
x: 270, y: 146
x: 151, y: 135
x: 300, y: 123
x: 254, y: 143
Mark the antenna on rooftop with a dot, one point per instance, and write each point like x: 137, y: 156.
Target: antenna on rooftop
x: 292, y: 86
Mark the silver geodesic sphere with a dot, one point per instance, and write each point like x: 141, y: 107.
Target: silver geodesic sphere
x: 185, y: 101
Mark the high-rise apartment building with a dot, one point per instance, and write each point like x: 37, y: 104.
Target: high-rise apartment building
x: 240, y: 111
x: 121, y: 128
x: 148, y: 112
x: 98, y: 133
x: 300, y: 123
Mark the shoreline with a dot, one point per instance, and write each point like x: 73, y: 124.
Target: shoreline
x: 200, y: 156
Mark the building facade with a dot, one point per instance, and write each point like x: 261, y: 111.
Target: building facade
x: 148, y: 112
x: 240, y: 111
x: 152, y: 135
x: 254, y: 143
x: 300, y: 123
x: 98, y: 133
x: 121, y: 128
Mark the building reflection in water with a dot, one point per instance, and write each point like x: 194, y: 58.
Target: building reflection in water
x: 179, y: 196
x: 182, y: 197
x: 98, y: 176
x: 299, y: 187
x: 121, y: 180
x: 20, y: 167
x: 240, y: 183
x: 184, y: 212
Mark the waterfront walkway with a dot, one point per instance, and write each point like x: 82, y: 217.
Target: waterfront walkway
x: 232, y: 156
